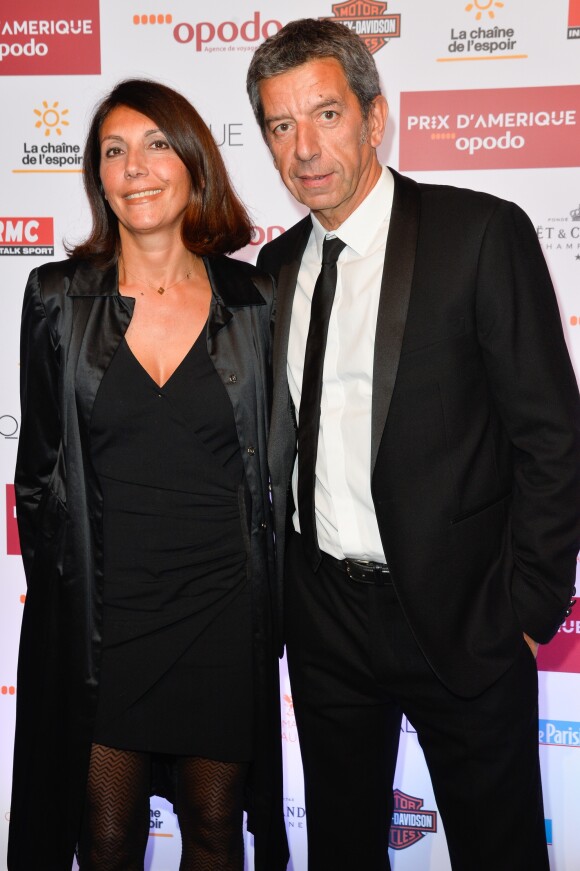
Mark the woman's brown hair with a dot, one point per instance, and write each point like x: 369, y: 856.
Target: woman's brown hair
x: 215, y: 221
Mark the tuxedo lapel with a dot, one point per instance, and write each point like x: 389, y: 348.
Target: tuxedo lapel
x: 394, y: 302
x: 285, y: 287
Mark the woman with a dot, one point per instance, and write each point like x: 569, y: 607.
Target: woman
x: 144, y: 517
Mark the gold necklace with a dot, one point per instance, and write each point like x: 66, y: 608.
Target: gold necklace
x: 161, y: 290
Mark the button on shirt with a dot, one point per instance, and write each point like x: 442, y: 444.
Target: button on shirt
x: 345, y: 517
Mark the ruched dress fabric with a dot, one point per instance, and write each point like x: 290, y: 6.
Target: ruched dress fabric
x: 176, y: 665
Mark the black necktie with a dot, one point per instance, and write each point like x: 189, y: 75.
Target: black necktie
x: 309, y: 416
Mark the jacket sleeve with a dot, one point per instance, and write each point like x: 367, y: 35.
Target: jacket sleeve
x: 40, y: 432
x: 535, y: 390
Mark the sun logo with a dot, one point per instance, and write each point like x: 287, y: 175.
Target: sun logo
x: 51, y: 118
x: 482, y: 6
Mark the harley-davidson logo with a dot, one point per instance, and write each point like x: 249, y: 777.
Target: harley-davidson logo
x: 410, y: 822
x: 369, y: 20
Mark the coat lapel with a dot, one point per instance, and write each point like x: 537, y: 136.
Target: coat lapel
x: 394, y: 302
x: 100, y: 318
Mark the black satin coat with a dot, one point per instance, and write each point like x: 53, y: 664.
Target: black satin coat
x: 73, y: 321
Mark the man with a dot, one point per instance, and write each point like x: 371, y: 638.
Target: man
x: 436, y: 482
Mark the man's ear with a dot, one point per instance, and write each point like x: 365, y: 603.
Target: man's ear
x: 377, y: 121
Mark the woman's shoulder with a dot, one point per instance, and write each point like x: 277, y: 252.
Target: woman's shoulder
x: 233, y: 275
x: 57, y: 270
x: 74, y: 276
x: 51, y: 280
x: 54, y: 278
x: 237, y: 266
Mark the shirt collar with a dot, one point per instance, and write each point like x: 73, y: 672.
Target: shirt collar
x: 360, y: 228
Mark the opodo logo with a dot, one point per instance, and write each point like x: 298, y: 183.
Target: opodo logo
x: 369, y: 20
x: 509, y: 128
x: 563, y: 651
x: 12, y: 539
x: 27, y: 236
x: 573, y: 19
x: 410, y: 822
x: 221, y: 36
x: 62, y: 39
x: 559, y: 733
x: 266, y: 234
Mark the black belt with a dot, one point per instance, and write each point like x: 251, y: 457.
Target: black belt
x: 364, y: 571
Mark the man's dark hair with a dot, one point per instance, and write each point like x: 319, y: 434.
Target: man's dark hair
x: 310, y: 39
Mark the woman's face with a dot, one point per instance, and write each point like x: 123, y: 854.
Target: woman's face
x: 146, y: 184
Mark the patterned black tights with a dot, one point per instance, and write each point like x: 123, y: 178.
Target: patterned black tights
x: 116, y: 824
x: 209, y: 809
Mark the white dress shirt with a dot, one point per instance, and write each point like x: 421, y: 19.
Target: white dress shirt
x: 345, y: 517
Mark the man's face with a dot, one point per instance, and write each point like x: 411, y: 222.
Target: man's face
x: 322, y: 146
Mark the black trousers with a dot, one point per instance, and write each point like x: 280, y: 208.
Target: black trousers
x: 355, y: 668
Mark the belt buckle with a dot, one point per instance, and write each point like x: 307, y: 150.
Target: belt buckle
x: 376, y: 573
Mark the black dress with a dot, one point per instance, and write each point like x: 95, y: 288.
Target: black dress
x: 176, y: 665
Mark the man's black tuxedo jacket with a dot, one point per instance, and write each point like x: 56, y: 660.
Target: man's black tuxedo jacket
x: 475, y: 427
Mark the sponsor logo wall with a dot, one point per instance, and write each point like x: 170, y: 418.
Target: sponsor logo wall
x: 483, y: 94
x: 511, y: 128
x: 46, y: 39
x: 26, y: 236
x: 574, y: 19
